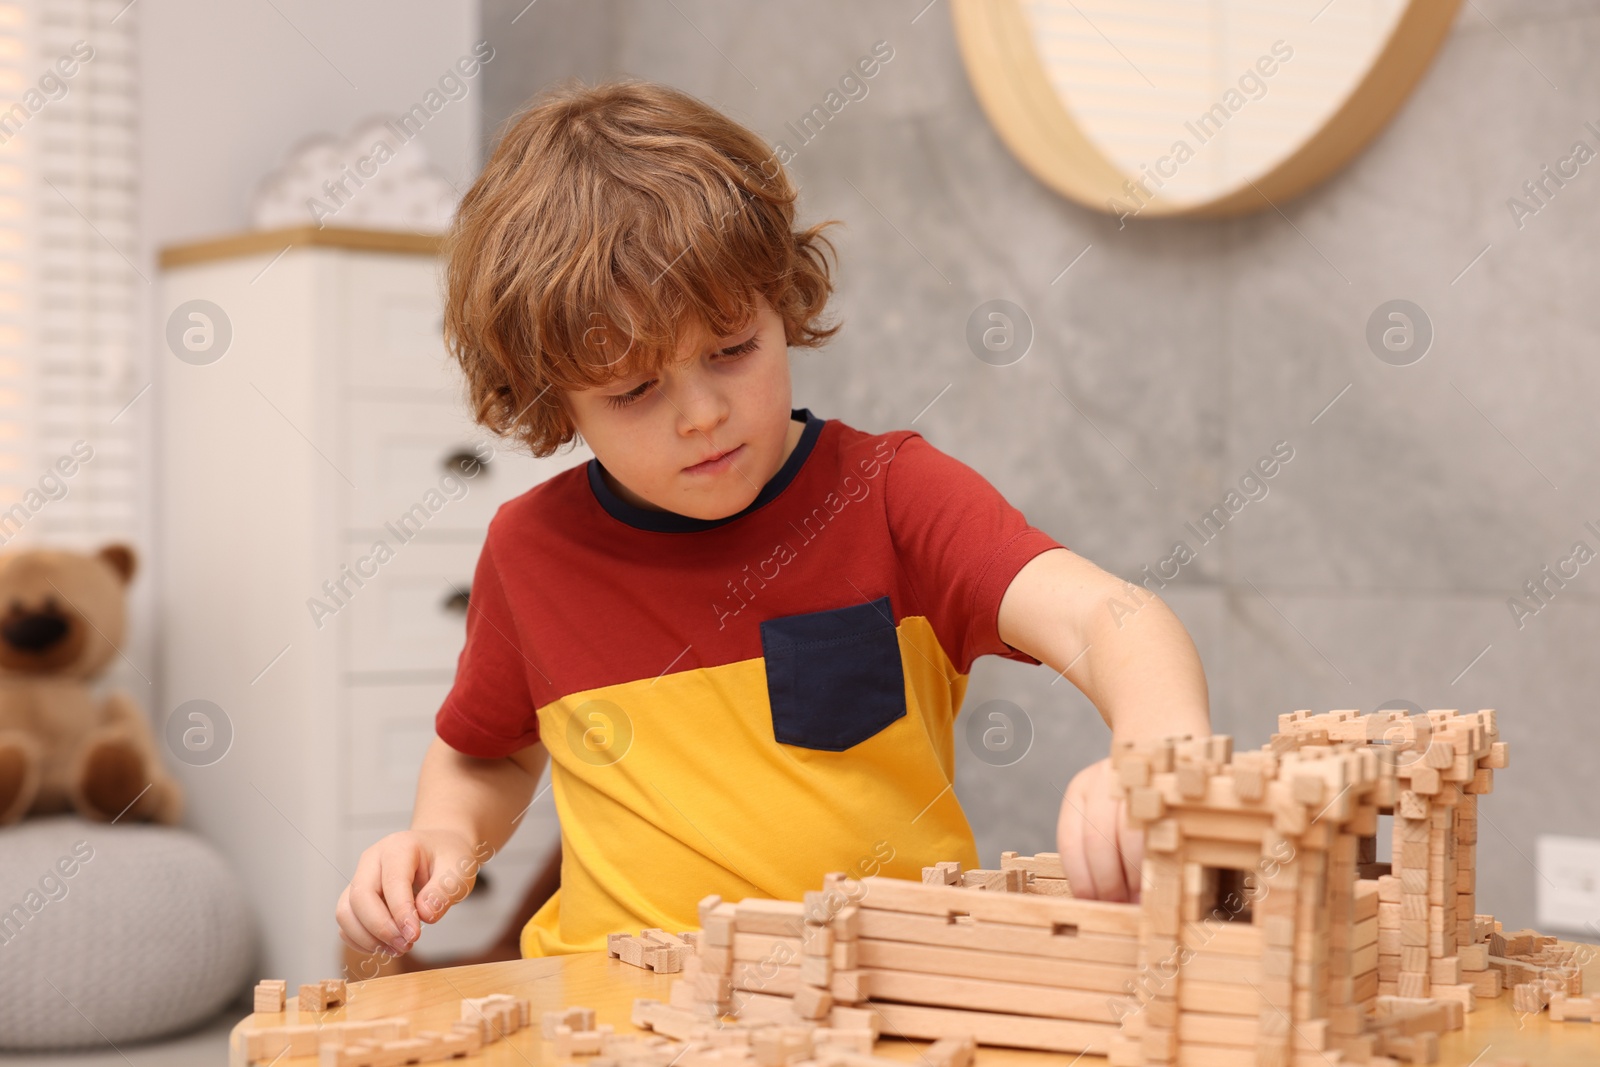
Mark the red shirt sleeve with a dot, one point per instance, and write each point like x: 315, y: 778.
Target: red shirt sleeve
x: 489, y: 712
x: 961, y: 543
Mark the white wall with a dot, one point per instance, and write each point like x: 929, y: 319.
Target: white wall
x: 227, y: 87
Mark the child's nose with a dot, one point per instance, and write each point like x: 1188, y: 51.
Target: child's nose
x: 703, y: 407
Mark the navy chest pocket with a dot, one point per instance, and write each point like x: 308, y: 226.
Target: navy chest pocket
x: 834, y: 677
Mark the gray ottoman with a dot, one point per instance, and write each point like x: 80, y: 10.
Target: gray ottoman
x: 112, y: 932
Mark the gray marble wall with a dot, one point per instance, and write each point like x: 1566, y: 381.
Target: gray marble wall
x: 1172, y: 355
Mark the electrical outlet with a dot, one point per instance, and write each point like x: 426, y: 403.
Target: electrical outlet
x: 1569, y: 883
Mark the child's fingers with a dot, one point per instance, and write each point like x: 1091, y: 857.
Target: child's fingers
x: 1070, y: 843
x: 367, y: 902
x: 447, y: 884
x: 399, y: 874
x: 1090, y: 793
x: 364, y: 949
x: 1100, y: 849
x: 1131, y: 843
x: 350, y: 929
x: 368, y: 917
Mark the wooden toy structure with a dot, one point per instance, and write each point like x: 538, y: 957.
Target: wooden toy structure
x: 1269, y: 931
x: 385, y: 1042
x: 1307, y: 904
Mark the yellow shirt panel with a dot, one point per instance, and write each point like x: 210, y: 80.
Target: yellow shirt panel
x: 672, y: 788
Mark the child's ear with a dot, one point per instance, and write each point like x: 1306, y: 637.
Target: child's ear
x: 122, y: 560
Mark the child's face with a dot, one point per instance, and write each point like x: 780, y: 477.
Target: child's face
x: 727, y: 395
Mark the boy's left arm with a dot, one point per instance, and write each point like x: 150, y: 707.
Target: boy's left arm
x: 1129, y: 654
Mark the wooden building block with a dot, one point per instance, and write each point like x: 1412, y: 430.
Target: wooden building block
x: 763, y: 1006
x: 716, y: 928
x: 1191, y: 780
x: 1520, y: 943
x: 269, y: 1043
x: 1512, y: 972
x: 778, y: 1046
x: 1040, y: 865
x: 765, y: 948
x: 859, y: 1041
x: 1464, y: 995
x: 577, y: 1018
x: 1565, y: 1009
x: 569, y: 1042
x: 817, y: 941
x: 1037, y: 970
x: 650, y: 1014
x: 951, y: 991
x: 270, y: 994
x: 1023, y: 909
x: 783, y: 918
x: 1064, y: 943
x: 813, y: 1003
x: 950, y: 1052
x: 846, y: 1018
x: 816, y: 970
x: 630, y: 949
x: 995, y: 881
x: 666, y: 959
x: 852, y: 987
x: 1365, y: 899
x: 765, y: 978
x: 708, y: 987
x: 1413, y: 1048
x: 1529, y: 997
x: 1485, y: 983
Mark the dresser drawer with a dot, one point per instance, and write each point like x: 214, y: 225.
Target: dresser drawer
x: 401, y: 452
x: 410, y: 615
x: 391, y: 727
x: 394, y: 326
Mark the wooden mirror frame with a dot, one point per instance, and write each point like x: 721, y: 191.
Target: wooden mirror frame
x: 1011, y: 84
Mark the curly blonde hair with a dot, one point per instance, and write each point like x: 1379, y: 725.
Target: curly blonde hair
x: 609, y: 219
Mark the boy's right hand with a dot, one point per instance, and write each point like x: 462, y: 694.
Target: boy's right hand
x: 404, y: 880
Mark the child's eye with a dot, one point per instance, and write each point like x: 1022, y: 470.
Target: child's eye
x: 622, y: 400
x: 739, y: 350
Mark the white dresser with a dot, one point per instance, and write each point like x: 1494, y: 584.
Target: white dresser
x: 332, y: 414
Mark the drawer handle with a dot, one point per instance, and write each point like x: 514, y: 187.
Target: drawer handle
x: 457, y: 602
x: 465, y: 462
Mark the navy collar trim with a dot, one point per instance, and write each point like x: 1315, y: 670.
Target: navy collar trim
x: 672, y: 522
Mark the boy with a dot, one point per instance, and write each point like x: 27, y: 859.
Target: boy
x: 741, y: 632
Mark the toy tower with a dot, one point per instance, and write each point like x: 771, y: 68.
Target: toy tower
x: 1442, y: 762
x: 1258, y: 943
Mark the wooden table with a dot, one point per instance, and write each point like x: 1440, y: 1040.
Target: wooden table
x: 432, y: 1000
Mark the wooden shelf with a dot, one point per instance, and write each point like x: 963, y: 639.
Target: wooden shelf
x: 252, y: 242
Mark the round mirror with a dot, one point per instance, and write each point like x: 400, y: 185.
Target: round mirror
x: 1174, y: 107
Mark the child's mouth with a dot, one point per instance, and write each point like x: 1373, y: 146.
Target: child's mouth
x: 718, y: 465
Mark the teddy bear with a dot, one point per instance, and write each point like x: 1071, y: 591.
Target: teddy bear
x: 62, y: 748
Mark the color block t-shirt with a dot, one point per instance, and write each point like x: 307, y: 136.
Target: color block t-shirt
x: 739, y: 705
